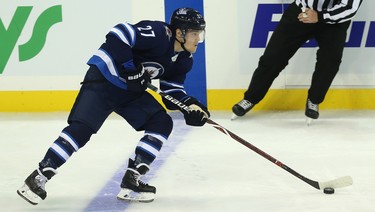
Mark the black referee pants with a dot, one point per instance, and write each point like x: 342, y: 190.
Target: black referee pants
x: 288, y: 37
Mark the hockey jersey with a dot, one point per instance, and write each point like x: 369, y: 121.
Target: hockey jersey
x: 150, y: 43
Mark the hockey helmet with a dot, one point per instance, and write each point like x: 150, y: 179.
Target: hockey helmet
x: 187, y: 18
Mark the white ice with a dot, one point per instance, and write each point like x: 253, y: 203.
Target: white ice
x: 200, y: 169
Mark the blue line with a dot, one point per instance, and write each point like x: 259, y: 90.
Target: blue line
x: 106, y: 198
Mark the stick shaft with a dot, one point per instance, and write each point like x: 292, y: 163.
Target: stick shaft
x: 238, y: 139
x: 263, y: 154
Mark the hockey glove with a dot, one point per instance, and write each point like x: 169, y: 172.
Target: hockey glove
x: 198, y: 114
x: 137, y: 80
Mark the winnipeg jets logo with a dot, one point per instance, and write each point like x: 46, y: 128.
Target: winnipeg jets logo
x: 153, y: 69
x: 182, y: 11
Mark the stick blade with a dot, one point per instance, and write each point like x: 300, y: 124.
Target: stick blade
x: 308, y: 121
x: 337, y: 183
x: 233, y: 117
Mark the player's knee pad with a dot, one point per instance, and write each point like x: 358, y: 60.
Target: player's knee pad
x: 77, y: 134
x: 161, y: 123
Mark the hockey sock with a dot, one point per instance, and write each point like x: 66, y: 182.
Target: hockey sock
x: 148, y: 147
x: 72, y: 138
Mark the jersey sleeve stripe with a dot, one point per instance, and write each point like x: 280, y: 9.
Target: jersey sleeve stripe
x: 171, y: 87
x: 169, y: 91
x: 106, y: 58
x: 129, y: 29
x: 103, y: 61
x: 120, y: 35
x: 334, y: 11
x: 171, y: 84
x: 344, y: 12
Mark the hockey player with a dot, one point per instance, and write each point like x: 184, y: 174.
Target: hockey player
x: 116, y: 82
x: 325, y: 20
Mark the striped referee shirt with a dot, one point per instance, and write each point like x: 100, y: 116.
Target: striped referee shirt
x: 332, y: 11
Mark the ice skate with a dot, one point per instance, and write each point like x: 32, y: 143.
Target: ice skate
x: 132, y: 188
x: 241, y: 108
x: 311, y: 112
x: 34, y: 188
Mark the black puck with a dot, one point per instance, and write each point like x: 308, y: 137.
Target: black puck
x: 329, y: 190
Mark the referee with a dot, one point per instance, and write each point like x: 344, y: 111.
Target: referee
x: 325, y: 20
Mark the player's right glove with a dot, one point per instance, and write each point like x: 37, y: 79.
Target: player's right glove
x: 137, y: 80
x: 198, y: 114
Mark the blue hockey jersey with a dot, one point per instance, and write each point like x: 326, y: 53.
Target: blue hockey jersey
x: 151, y: 44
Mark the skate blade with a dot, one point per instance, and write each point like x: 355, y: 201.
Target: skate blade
x: 129, y: 195
x: 28, y: 195
x: 134, y: 199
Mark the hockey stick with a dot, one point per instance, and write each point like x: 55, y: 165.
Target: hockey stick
x: 336, y: 183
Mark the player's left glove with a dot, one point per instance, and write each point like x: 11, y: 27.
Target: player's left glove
x: 198, y: 114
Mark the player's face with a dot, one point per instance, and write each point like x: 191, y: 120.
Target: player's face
x: 192, y: 38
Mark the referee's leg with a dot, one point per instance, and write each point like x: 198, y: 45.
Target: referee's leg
x: 331, y: 40
x: 287, y: 38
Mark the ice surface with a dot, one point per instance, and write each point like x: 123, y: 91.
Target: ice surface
x: 200, y: 169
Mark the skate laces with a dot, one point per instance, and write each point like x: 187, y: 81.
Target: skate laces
x: 41, y: 180
x: 245, y: 104
x: 137, y: 178
x: 312, y: 106
x: 141, y: 183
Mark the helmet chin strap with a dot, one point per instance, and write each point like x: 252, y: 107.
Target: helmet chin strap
x: 182, y: 43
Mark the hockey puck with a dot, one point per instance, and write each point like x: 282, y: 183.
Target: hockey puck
x: 329, y: 190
